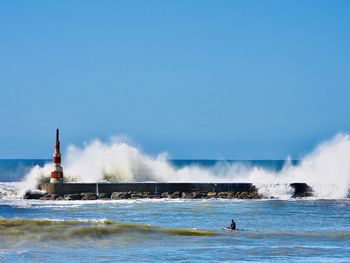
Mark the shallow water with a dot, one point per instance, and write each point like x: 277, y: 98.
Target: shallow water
x: 183, y: 230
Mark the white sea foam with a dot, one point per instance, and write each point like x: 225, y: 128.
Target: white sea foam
x: 326, y: 169
x: 9, y: 190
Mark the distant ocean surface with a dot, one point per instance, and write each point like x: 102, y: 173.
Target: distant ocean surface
x: 270, y: 230
x: 13, y: 170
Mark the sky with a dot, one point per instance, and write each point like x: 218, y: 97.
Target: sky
x: 197, y: 79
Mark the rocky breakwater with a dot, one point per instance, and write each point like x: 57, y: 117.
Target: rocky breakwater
x: 143, y: 195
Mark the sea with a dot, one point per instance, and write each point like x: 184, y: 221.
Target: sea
x: 277, y: 228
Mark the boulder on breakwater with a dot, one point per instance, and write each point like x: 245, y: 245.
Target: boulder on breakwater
x: 301, y: 190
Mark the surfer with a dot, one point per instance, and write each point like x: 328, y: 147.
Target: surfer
x: 233, y: 225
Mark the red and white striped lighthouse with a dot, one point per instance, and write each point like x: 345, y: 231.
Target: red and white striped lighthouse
x: 57, y: 173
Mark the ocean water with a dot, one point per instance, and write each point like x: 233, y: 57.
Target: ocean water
x: 270, y: 230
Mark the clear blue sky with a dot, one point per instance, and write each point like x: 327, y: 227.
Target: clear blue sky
x: 198, y: 79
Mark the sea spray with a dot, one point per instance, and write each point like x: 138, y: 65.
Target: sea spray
x: 326, y: 169
x: 36, y: 175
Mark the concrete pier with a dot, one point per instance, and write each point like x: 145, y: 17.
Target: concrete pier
x: 155, y: 188
x: 222, y: 190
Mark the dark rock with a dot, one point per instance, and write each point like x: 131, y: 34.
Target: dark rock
x: 187, y: 195
x: 229, y: 195
x: 238, y: 195
x: 175, y: 195
x: 117, y: 195
x: 199, y: 195
x: 88, y: 196
x: 301, y: 195
x: 255, y: 195
x: 146, y: 194
x: 244, y: 195
x: 49, y: 197
x: 193, y: 195
x: 222, y: 194
x: 54, y: 196
x: 121, y: 195
x: 247, y: 195
x: 72, y: 197
x: 155, y: 196
x: 138, y: 195
x: 166, y: 195
x: 212, y: 195
x: 33, y: 195
x: 45, y: 197
x: 301, y: 190
x: 104, y: 196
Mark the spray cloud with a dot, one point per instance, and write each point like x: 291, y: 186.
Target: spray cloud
x: 326, y: 169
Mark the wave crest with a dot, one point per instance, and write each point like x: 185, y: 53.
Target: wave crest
x: 43, y: 229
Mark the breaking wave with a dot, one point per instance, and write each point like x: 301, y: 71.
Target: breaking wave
x: 53, y: 229
x: 326, y: 169
x: 45, y: 229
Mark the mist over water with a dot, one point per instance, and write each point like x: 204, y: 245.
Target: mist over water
x: 326, y: 169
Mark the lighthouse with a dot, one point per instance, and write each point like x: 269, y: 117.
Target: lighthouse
x: 57, y: 173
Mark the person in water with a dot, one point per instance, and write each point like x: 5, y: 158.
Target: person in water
x: 233, y: 225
